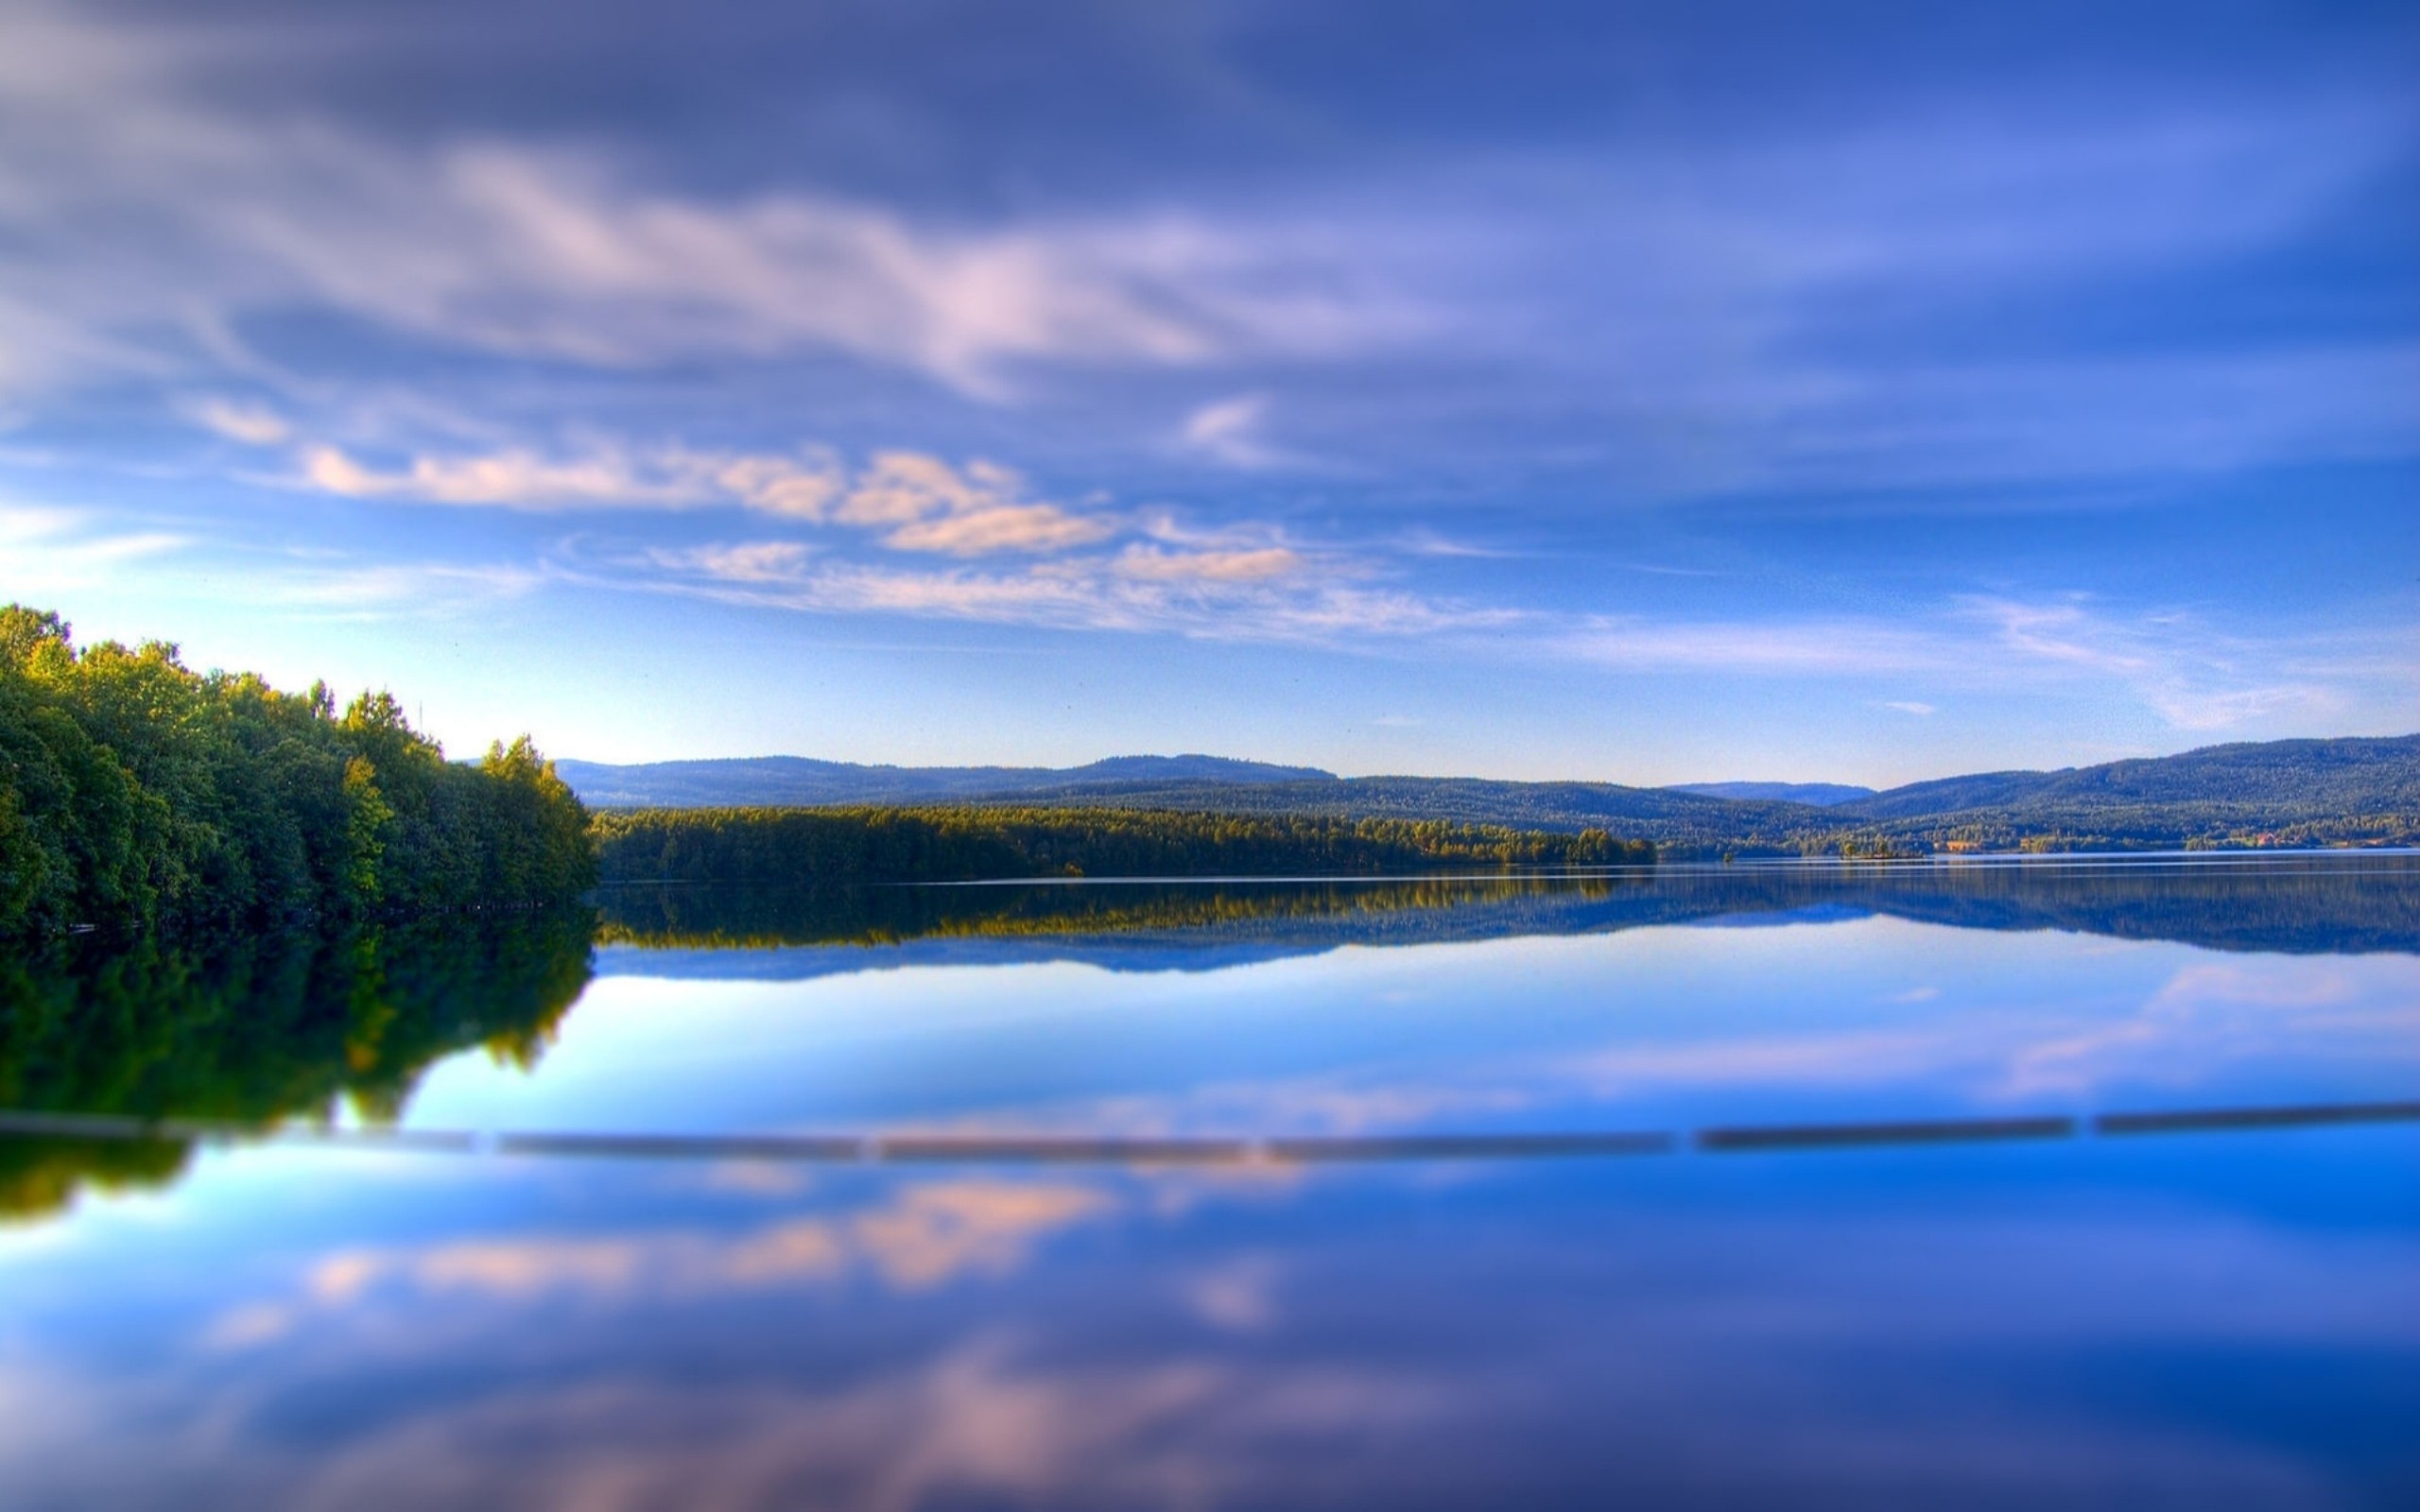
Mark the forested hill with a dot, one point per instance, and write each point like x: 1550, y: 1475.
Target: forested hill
x: 790, y: 781
x: 2304, y: 777
x: 2303, y: 792
x: 134, y: 792
x: 1665, y: 815
x: 2356, y: 790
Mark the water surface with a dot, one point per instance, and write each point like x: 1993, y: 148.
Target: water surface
x: 2083, y: 1183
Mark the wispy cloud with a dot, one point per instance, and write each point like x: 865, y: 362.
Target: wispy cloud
x: 1242, y: 565
x: 389, y: 589
x: 1233, y: 432
x: 250, y: 423
x: 908, y: 501
x: 1271, y: 595
x: 2195, y: 676
x: 515, y: 480
x: 44, y: 550
x: 1854, y: 647
x: 2173, y: 664
x: 549, y: 251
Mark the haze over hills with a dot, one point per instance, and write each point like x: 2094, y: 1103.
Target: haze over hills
x: 2354, y: 790
x: 805, y: 782
x: 1821, y: 794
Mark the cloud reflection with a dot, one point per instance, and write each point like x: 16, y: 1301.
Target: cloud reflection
x: 929, y: 1235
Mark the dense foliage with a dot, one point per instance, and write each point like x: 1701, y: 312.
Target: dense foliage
x: 828, y: 845
x: 136, y: 791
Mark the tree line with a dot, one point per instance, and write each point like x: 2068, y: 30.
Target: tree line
x: 809, y: 846
x: 137, y: 791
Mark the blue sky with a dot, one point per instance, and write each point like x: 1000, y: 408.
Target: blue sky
x: 1645, y: 393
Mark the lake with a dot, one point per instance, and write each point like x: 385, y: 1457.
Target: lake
x: 2072, y: 1181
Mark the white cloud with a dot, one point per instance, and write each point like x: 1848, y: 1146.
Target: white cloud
x: 513, y: 480
x: 801, y: 488
x: 981, y: 508
x: 757, y: 562
x: 915, y: 502
x: 1910, y: 706
x: 1235, y: 565
x: 1028, y: 528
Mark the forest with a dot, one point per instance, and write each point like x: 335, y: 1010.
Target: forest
x: 798, y: 847
x: 135, y: 792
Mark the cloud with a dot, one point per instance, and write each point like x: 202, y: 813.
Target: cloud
x: 759, y: 561
x: 252, y: 424
x: 2062, y: 632
x: 46, y: 550
x: 1780, y: 647
x: 2195, y: 676
x: 2172, y: 664
x: 930, y: 506
x: 1262, y: 593
x: 1028, y: 528
x: 916, y: 501
x: 801, y: 488
x: 513, y: 480
x: 1242, y: 565
x: 546, y: 250
x: 384, y: 588
x: 1669, y: 308
x: 1230, y: 431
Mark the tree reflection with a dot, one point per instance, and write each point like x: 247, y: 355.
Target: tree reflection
x: 2314, y: 905
x: 255, y: 1030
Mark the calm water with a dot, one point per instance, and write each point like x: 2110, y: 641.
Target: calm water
x: 2072, y: 1184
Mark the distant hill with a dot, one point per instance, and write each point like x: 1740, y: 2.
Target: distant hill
x: 2293, y: 792
x: 2341, y: 776
x: 1821, y: 794
x: 802, y: 782
x: 1668, y: 817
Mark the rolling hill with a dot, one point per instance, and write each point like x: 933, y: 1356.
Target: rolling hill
x: 2356, y: 790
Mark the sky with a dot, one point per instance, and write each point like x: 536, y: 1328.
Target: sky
x: 1639, y: 393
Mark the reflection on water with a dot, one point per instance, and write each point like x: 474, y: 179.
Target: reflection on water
x: 254, y: 1030
x: 2076, y: 1184
x: 2319, y: 902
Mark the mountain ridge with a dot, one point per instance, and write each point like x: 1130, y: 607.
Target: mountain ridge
x: 2352, y: 789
